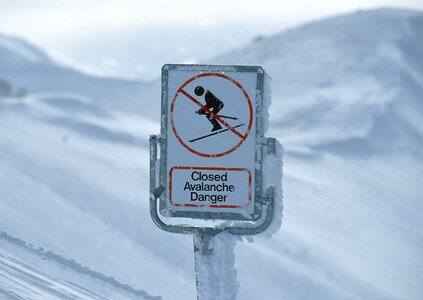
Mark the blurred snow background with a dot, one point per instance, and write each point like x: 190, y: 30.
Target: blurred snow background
x: 347, y: 106
x: 135, y: 38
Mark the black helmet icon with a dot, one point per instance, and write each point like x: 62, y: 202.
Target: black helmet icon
x: 199, y: 90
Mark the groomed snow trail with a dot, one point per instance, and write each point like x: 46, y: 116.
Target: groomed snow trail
x: 20, y: 281
x: 30, y: 273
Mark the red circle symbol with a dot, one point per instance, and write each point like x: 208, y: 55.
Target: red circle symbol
x: 242, y: 137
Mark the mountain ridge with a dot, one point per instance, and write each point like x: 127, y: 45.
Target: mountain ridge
x: 25, y: 65
x: 343, y: 71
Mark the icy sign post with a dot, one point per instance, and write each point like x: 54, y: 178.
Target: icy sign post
x: 211, y: 161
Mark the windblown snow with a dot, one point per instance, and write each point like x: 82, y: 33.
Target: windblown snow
x: 50, y: 276
x: 347, y: 106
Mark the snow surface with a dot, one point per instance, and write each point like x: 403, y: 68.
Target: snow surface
x: 50, y: 276
x: 347, y: 106
x: 19, y: 51
x: 335, y: 78
x: 27, y: 66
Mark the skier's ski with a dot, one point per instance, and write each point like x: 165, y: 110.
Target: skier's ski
x: 214, y: 133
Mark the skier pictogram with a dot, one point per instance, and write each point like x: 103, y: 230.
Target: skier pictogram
x: 214, y: 105
x: 210, y: 105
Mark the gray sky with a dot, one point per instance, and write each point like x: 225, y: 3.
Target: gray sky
x: 133, y: 38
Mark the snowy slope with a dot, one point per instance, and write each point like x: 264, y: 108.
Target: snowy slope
x: 25, y: 65
x: 73, y: 174
x: 15, y: 51
x: 50, y: 276
x: 347, y: 106
x: 344, y: 79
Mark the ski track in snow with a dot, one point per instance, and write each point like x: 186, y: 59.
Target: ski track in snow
x: 22, y: 281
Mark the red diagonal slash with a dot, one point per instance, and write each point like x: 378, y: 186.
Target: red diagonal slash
x: 211, y: 113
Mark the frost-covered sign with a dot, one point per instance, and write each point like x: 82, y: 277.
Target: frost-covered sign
x: 212, y: 161
x: 211, y: 131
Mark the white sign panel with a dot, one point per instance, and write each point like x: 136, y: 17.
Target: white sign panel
x: 210, y: 129
x: 212, y: 186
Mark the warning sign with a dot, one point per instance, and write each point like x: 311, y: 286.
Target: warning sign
x: 212, y: 169
x: 213, y: 187
x: 209, y: 130
x: 211, y: 109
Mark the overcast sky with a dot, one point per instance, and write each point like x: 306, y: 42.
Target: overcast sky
x: 133, y: 38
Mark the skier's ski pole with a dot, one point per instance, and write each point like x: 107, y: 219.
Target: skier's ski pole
x: 227, y: 117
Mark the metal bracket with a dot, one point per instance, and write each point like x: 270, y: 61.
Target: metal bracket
x: 203, y: 243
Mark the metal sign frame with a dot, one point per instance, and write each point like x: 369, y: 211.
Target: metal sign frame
x: 263, y: 202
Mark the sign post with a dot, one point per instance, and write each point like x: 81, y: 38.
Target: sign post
x: 207, y: 164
